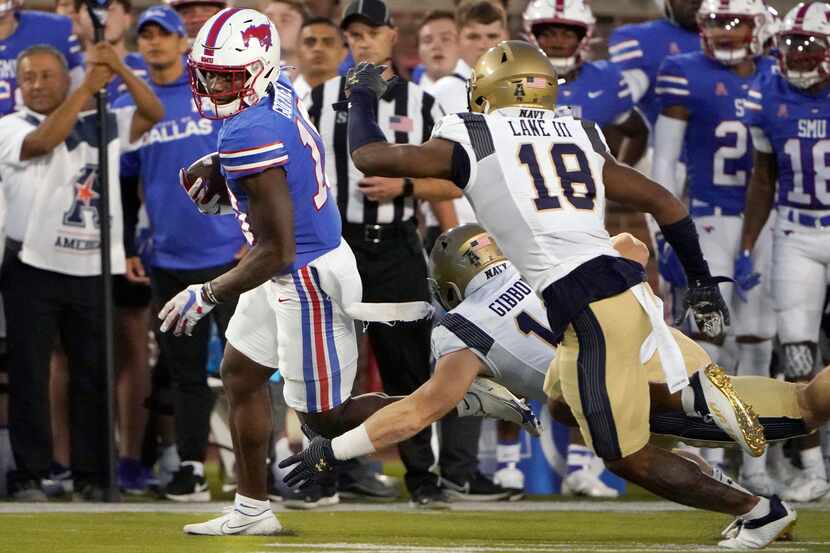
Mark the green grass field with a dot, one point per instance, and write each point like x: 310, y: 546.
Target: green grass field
x: 403, y: 531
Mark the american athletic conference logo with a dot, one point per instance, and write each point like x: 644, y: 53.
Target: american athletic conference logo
x: 85, y: 198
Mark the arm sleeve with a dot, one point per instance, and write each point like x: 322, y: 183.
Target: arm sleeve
x: 668, y: 143
x: 72, y: 50
x: 465, y: 165
x: 754, y: 117
x: 672, y: 86
x: 250, y: 149
x: 623, y: 99
x: 13, y: 131
x: 627, y: 54
x: 445, y: 342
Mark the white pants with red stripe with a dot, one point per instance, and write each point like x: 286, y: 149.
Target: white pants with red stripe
x: 296, y: 323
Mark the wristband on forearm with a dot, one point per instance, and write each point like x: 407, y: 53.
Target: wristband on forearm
x: 408, y: 187
x: 682, y: 236
x: 363, y: 125
x: 208, y: 293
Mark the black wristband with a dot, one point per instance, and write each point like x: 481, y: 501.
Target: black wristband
x: 682, y: 236
x: 408, y: 187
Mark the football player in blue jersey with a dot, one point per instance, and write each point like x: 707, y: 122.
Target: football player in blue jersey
x: 638, y: 50
x: 592, y: 90
x: 299, y: 284
x: 702, y: 99
x: 20, y: 29
x: 787, y: 114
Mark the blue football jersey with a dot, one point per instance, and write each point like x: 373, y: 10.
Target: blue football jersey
x: 794, y: 122
x: 183, y: 238
x: 717, y: 146
x: 599, y: 93
x: 34, y: 27
x: 134, y: 61
x: 276, y: 132
x: 644, y: 46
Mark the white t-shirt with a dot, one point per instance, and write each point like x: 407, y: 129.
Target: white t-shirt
x: 301, y: 87
x: 52, y: 199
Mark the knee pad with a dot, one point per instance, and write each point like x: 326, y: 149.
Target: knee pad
x: 799, y: 360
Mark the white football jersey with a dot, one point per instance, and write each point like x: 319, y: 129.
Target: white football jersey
x: 535, y: 183
x: 505, y: 324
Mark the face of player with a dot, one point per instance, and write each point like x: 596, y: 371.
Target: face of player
x: 476, y: 38
x: 43, y: 82
x: 371, y: 44
x: 802, y: 53
x: 727, y: 33
x: 558, y: 41
x: 438, y: 47
x: 118, y: 23
x: 685, y: 12
x: 321, y: 50
x: 160, y: 48
x: 288, y: 21
x: 225, y: 86
x: 196, y: 15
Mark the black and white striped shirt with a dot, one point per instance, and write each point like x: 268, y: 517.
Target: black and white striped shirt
x: 406, y: 115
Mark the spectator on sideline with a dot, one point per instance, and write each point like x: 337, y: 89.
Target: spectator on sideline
x: 319, y: 53
x: 187, y: 246
x: 195, y: 13
x: 437, y: 47
x: 51, y: 267
x: 287, y: 16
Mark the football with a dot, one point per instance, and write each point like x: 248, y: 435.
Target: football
x: 207, y: 167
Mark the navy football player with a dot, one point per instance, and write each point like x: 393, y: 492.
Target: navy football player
x: 787, y: 114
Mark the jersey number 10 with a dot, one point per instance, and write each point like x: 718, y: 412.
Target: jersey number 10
x: 573, y: 170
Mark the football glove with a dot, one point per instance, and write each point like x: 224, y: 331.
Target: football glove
x: 746, y: 278
x: 668, y: 264
x: 185, y: 310
x: 316, y: 462
x: 198, y: 194
x: 368, y: 76
x: 704, y: 300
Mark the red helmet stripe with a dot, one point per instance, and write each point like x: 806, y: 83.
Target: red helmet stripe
x: 802, y: 13
x: 217, y: 26
x: 560, y: 6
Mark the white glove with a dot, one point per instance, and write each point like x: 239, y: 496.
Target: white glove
x: 185, y: 310
x: 198, y: 192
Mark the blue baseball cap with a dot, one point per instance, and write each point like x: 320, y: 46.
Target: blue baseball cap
x: 164, y: 16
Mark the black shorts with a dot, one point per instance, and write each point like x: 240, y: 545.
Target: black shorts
x: 127, y: 294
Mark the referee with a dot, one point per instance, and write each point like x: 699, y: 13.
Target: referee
x: 381, y: 230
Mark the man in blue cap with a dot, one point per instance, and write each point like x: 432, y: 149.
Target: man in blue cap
x: 188, y: 248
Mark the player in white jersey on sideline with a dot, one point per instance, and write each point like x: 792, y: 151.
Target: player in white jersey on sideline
x: 540, y: 191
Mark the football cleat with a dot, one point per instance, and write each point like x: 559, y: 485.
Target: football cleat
x: 585, y: 482
x: 512, y: 479
x: 488, y: 398
x: 234, y: 523
x: 760, y: 532
x: 730, y: 412
x: 806, y: 488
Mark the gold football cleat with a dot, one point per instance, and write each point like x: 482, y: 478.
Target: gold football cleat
x: 730, y: 412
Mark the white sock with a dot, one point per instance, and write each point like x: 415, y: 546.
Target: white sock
x: 760, y: 510
x: 715, y: 352
x: 579, y: 457
x: 729, y: 356
x: 250, y: 507
x: 712, y: 455
x: 198, y: 468
x: 755, y: 358
x: 825, y: 440
x: 687, y: 400
x: 508, y: 453
x: 813, y: 462
x: 753, y: 465
x: 723, y: 478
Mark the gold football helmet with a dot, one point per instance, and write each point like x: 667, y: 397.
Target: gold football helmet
x: 457, y: 257
x: 512, y: 73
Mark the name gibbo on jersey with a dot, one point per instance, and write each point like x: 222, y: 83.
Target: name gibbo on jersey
x: 792, y: 124
x: 717, y: 145
x: 538, y: 190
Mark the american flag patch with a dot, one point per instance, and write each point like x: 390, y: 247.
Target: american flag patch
x: 480, y: 242
x: 532, y: 82
x: 400, y: 123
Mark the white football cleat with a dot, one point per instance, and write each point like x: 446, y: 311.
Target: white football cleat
x: 512, y: 479
x: 759, y: 483
x: 584, y: 482
x: 234, y: 523
x: 729, y: 411
x: 806, y: 488
x: 488, y: 398
x: 759, y: 533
